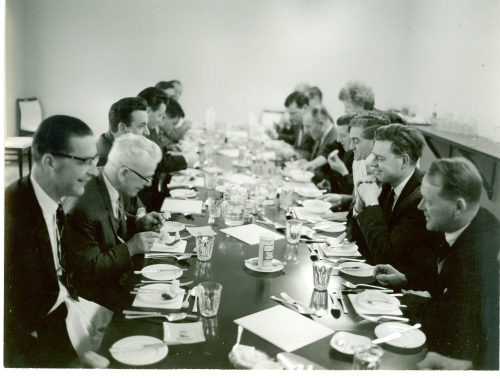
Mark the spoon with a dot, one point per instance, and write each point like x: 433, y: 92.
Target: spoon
x: 395, y: 335
x: 335, y: 311
x: 185, y: 303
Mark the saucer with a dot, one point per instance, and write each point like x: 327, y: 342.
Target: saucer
x: 155, y: 352
x: 253, y: 264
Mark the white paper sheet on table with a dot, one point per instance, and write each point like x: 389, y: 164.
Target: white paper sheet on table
x: 250, y: 233
x: 175, y: 303
x: 182, y: 206
x: 183, y: 333
x: 284, y: 328
x: 231, y: 153
x: 201, y: 231
x: 160, y: 247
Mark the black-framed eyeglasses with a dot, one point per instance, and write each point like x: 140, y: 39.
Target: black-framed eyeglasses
x: 86, y: 161
x: 149, y: 180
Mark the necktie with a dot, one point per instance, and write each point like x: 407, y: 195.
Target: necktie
x: 443, y: 253
x: 389, y: 202
x: 61, y: 253
x: 122, y: 228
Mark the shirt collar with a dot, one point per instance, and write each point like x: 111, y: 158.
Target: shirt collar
x: 399, y: 188
x: 114, y: 195
x: 325, y: 133
x: 452, y: 237
x: 48, y: 205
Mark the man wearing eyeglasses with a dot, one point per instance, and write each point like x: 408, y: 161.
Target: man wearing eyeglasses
x: 47, y: 323
x: 102, y: 237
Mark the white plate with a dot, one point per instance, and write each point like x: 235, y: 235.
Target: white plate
x: 183, y: 193
x: 157, y: 297
x: 330, y: 226
x: 165, y: 275
x: 344, y: 342
x: 301, y: 175
x: 253, y: 264
x: 241, y: 164
x: 365, y: 272
x: 349, y: 249
x: 172, y: 226
x: 139, y: 357
x: 359, y: 309
x: 411, y: 340
x: 377, y: 302
x: 308, y: 192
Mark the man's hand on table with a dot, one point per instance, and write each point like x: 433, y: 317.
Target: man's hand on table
x: 333, y: 198
x: 435, y: 361
x: 141, y: 243
x: 151, y: 221
x: 336, y: 164
x: 389, y: 276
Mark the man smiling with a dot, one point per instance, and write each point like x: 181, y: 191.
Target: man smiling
x: 389, y: 227
x: 97, y: 224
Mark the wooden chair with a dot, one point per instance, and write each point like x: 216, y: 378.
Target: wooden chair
x: 28, y: 117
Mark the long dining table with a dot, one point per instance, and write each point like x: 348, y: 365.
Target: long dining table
x: 246, y: 292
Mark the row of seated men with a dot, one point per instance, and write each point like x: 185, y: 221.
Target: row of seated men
x: 65, y: 268
x: 425, y: 232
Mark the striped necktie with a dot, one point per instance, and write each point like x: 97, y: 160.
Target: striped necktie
x: 66, y: 277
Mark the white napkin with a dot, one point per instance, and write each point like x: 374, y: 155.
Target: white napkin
x: 360, y: 309
x: 159, y: 247
x: 250, y: 233
x: 183, y: 333
x: 303, y: 214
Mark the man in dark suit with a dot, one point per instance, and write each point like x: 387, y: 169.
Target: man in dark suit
x: 388, y: 227
x: 158, y: 103
x: 460, y: 317
x: 102, y: 240
x: 38, y: 329
x: 127, y: 115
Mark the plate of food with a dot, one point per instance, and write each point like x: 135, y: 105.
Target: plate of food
x: 345, y: 249
x: 308, y: 192
x: 316, y: 207
x: 377, y: 302
x: 300, y: 175
x: 163, y: 293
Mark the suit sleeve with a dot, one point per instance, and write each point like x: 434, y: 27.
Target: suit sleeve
x: 390, y: 244
x: 88, y: 257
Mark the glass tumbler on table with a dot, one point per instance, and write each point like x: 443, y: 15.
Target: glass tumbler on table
x: 322, y: 271
x: 293, y: 230
x: 367, y: 358
x: 214, y: 210
x: 205, y: 247
x: 209, y: 298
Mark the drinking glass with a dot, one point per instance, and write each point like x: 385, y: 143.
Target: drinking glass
x: 205, y: 247
x: 209, y: 298
x: 322, y: 271
x: 286, y: 197
x: 211, y: 176
x: 214, y: 210
x: 234, y: 206
x: 293, y: 229
x: 367, y: 358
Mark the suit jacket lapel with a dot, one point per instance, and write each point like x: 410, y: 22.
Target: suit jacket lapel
x: 39, y: 227
x: 107, y: 202
x: 408, y: 189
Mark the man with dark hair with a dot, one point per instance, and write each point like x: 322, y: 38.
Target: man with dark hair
x: 172, y: 132
x: 127, y: 115
x: 153, y: 196
x: 461, y: 316
x: 315, y: 96
x: 46, y: 323
x: 388, y: 227
x: 167, y: 88
x: 293, y: 132
x: 357, y: 97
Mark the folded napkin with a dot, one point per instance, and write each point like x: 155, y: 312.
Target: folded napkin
x: 183, y: 333
x: 160, y: 247
x: 250, y: 233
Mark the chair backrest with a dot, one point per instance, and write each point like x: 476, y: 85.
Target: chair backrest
x: 29, y: 116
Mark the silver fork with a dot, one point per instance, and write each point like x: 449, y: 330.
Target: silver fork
x: 185, y: 303
x: 301, y: 307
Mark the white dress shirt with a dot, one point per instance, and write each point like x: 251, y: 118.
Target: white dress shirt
x: 86, y: 321
x: 399, y: 188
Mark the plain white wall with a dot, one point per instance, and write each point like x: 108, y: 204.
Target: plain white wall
x: 79, y: 57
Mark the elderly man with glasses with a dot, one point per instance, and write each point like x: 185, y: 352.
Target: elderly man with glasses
x: 102, y: 238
